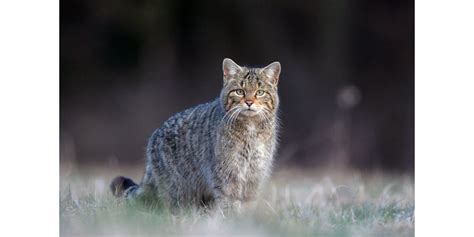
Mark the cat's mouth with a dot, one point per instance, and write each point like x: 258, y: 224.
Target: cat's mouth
x: 249, y: 112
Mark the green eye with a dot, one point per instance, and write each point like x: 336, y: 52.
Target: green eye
x: 239, y: 92
x: 260, y: 93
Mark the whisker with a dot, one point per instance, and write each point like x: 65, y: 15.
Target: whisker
x: 266, y: 115
x: 235, y: 115
x: 232, y: 115
x: 228, y: 113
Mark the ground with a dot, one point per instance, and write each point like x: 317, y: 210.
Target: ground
x: 293, y: 203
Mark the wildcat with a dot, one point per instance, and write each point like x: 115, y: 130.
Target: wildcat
x: 218, y: 153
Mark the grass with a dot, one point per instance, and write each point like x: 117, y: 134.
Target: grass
x: 292, y: 204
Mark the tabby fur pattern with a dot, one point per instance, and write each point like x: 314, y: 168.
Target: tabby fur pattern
x: 215, y: 154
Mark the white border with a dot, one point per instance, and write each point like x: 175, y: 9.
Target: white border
x: 444, y: 118
x: 29, y: 118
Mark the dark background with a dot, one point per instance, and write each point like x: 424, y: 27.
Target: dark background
x: 346, y: 88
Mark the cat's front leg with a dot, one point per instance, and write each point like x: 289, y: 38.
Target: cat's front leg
x: 226, y: 204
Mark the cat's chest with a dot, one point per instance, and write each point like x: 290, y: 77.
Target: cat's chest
x: 255, y: 146
x: 247, y: 154
x: 251, y: 163
x: 249, y: 143
x: 252, y: 150
x: 248, y: 159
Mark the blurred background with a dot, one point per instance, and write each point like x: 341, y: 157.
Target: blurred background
x: 346, y: 87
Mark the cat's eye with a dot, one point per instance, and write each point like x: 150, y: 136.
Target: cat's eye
x: 260, y: 93
x: 239, y: 92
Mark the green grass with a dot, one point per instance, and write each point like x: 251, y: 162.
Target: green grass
x: 292, y: 204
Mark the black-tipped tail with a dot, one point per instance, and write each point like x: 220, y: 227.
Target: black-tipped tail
x: 120, y: 184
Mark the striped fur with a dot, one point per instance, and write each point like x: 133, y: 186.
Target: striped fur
x: 218, y: 153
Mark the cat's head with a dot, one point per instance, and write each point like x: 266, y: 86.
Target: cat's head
x: 250, y: 92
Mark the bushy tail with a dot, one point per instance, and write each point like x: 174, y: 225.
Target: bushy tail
x: 122, y: 186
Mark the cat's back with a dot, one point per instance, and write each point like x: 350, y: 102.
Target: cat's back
x: 197, y: 117
x: 184, y: 130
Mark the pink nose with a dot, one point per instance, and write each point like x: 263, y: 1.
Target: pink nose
x: 249, y: 102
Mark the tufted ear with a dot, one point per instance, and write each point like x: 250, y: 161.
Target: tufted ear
x: 272, y: 72
x: 230, y: 68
